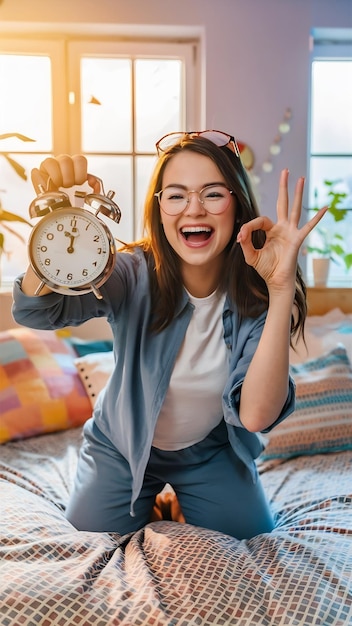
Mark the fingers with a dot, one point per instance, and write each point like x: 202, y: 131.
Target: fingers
x: 244, y: 237
x: 39, y: 180
x: 80, y: 169
x: 50, y: 168
x: 297, y: 202
x: 308, y: 227
x: 282, y: 198
x: 258, y: 223
x: 62, y: 171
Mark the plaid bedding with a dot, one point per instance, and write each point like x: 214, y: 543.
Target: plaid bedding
x: 172, y: 574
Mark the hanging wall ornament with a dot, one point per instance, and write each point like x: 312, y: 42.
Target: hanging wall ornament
x: 275, y: 148
x: 247, y: 155
x: 267, y: 167
x: 285, y: 127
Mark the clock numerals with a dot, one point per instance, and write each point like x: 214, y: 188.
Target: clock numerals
x: 72, y: 251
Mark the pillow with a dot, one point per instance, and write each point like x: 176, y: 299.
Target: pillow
x: 323, y: 333
x: 40, y: 390
x: 87, y: 346
x: 322, y: 420
x: 94, y: 371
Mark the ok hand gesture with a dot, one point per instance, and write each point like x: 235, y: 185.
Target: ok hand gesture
x: 276, y: 261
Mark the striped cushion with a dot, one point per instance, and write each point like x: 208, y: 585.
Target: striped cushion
x: 322, y: 420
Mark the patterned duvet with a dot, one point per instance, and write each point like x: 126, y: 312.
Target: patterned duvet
x: 172, y: 574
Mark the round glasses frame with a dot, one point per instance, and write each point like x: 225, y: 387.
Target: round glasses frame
x: 178, y: 206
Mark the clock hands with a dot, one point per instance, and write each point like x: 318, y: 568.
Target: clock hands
x: 72, y: 237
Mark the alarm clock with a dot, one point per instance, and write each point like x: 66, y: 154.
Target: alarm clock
x: 71, y: 249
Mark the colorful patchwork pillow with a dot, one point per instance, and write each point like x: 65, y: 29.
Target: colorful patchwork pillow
x: 40, y: 390
x: 322, y: 420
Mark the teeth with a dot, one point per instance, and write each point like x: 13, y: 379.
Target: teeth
x: 196, y: 229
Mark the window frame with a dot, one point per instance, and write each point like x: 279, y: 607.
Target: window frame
x: 63, y: 49
x: 330, y: 45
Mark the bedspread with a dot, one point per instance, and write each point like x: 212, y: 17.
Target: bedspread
x: 172, y: 574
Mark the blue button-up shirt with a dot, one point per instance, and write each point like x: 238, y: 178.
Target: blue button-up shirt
x: 128, y: 408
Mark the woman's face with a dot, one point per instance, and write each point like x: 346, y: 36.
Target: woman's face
x: 198, y: 237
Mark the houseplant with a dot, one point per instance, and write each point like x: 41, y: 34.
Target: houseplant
x: 329, y: 244
x: 7, y: 217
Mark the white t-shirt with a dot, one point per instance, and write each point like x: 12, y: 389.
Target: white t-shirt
x: 193, y: 403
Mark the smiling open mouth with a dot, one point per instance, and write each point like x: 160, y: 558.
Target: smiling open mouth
x: 196, y: 233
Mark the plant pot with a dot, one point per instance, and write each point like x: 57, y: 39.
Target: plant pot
x: 321, y: 271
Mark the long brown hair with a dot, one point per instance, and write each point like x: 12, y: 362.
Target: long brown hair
x: 244, y: 286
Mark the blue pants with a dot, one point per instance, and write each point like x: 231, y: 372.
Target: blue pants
x: 214, y: 488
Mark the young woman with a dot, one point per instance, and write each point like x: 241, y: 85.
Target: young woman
x: 202, y: 310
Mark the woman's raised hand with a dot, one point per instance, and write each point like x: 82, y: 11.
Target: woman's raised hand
x: 276, y: 261
x: 63, y: 171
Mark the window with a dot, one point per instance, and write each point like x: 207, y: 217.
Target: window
x: 330, y: 141
x: 115, y: 100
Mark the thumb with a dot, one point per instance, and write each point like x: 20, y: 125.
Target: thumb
x: 39, y: 180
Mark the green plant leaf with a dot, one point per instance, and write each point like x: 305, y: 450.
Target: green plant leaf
x: 19, y: 169
x: 17, y: 135
x: 7, y: 216
x: 337, y: 249
x: 320, y: 251
x: 336, y: 199
x: 13, y: 232
x: 348, y: 261
x: 338, y: 214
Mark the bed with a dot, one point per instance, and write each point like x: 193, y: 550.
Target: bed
x: 171, y: 573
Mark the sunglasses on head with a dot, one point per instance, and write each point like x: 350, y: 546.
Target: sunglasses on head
x: 217, y: 137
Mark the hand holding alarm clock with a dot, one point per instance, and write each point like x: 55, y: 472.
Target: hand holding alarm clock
x: 71, y: 249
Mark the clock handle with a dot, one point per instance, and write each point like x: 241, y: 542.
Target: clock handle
x: 103, y: 203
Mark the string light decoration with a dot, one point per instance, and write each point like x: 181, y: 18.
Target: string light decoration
x: 275, y: 148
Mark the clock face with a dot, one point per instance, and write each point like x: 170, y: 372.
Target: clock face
x: 71, y: 248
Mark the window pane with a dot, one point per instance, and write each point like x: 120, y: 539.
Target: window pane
x: 337, y: 169
x: 331, y: 124
x: 116, y: 174
x: 106, y: 105
x: 131, y: 93
x: 144, y: 168
x: 159, y: 99
x: 331, y: 150
x: 329, y: 168
x: 26, y: 103
x: 337, y: 272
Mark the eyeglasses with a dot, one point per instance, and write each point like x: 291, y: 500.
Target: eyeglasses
x: 216, y: 136
x: 174, y: 200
